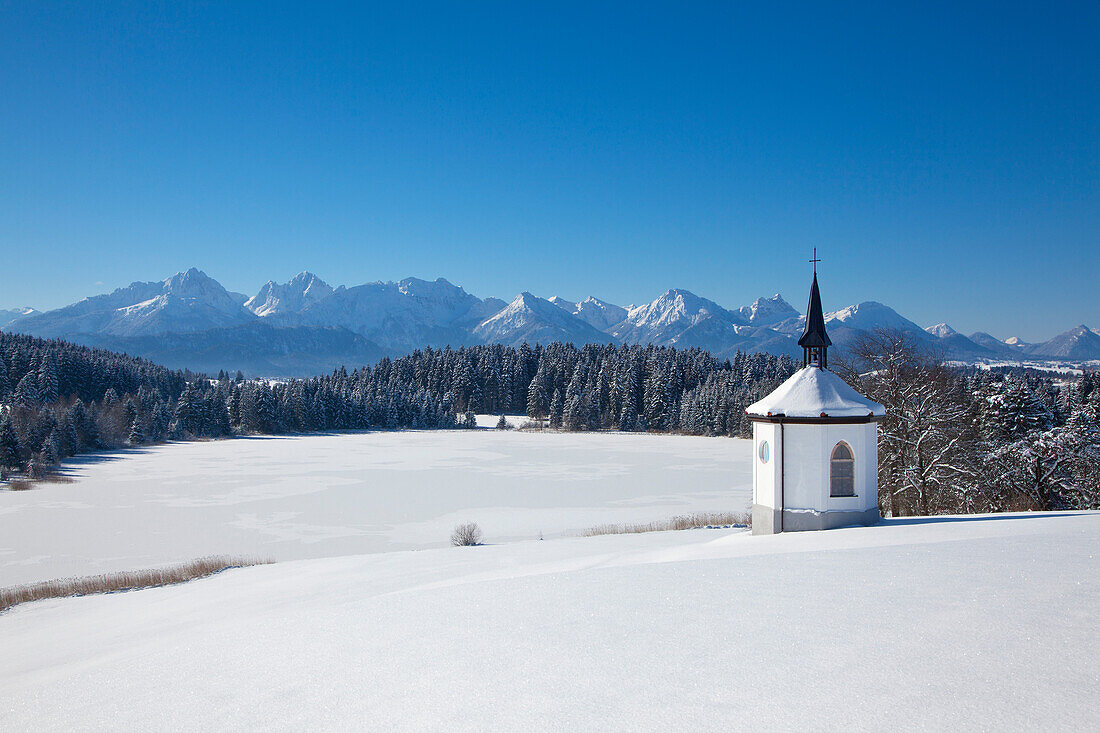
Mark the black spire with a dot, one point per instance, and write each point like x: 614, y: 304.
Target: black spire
x: 814, y: 342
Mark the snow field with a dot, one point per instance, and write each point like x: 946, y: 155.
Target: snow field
x: 955, y: 623
x: 346, y: 494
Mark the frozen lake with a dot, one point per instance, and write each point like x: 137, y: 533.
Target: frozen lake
x: 328, y: 495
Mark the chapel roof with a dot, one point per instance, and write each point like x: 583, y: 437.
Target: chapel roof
x: 813, y: 392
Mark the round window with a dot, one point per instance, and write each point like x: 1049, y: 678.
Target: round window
x: 765, y: 452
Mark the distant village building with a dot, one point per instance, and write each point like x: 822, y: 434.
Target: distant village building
x: 815, y: 444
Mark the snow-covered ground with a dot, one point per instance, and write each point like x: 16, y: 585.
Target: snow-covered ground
x: 347, y: 494
x: 970, y: 623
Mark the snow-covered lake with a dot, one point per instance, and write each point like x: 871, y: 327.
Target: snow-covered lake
x: 346, y: 494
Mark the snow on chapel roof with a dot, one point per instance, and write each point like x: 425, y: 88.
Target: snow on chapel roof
x: 812, y: 391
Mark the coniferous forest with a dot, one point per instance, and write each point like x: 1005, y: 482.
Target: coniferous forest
x: 954, y: 440
x: 61, y: 399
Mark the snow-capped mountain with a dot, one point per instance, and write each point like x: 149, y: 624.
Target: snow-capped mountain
x: 536, y: 320
x: 402, y: 316
x: 597, y: 313
x: 302, y: 291
x: 955, y: 346
x: 869, y: 315
x: 7, y: 317
x: 941, y: 330
x: 305, y: 325
x: 681, y: 318
x: 767, y: 311
x: 865, y: 316
x: 186, y: 302
x: 1080, y: 343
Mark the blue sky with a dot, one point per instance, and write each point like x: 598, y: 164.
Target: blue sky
x: 944, y: 158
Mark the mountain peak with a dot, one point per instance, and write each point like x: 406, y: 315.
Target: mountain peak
x: 597, y: 313
x: 536, y: 320
x: 412, y: 313
x: 303, y: 290
x: 942, y: 330
x: 439, y: 289
x: 8, y: 317
x: 190, y: 276
x: 681, y: 318
x: 869, y: 315
x: 678, y: 294
x: 1078, y: 343
x: 767, y: 311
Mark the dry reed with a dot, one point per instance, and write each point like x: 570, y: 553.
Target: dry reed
x: 121, y: 581
x: 683, y: 521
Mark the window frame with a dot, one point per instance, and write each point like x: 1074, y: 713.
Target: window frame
x: 833, y: 477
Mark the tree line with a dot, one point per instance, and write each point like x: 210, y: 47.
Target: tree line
x: 58, y: 399
x: 954, y: 440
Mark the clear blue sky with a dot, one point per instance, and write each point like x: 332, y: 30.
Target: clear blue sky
x: 944, y: 158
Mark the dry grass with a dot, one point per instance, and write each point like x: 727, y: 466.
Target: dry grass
x: 122, y: 581
x: 684, y: 521
x: 25, y: 484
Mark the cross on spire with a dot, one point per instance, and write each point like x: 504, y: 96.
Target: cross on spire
x: 815, y: 341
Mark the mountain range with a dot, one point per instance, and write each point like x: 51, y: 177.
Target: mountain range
x: 306, y: 326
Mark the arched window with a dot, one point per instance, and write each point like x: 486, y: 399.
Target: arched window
x: 842, y: 471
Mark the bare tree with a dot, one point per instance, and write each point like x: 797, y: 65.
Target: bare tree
x: 922, y: 462
x: 466, y: 535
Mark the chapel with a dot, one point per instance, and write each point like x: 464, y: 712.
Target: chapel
x: 815, y: 444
